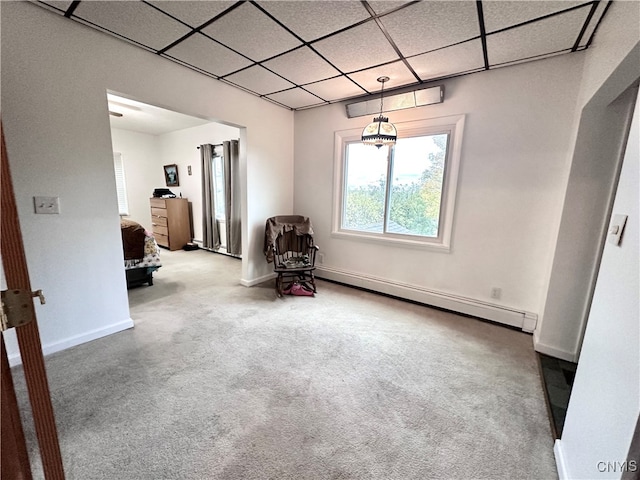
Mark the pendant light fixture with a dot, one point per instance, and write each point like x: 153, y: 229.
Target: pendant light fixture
x: 380, y: 132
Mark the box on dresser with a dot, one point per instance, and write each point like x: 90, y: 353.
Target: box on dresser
x: 170, y: 222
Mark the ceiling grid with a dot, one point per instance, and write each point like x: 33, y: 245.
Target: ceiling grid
x: 310, y: 53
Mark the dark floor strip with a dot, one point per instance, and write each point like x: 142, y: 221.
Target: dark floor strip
x: 557, y: 380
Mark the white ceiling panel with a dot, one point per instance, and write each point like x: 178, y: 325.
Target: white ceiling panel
x: 259, y: 80
x: 336, y: 49
x: 500, y: 14
x: 427, y: 26
x: 600, y: 8
x: 58, y: 4
x: 525, y: 60
x: 295, y: 98
x: 133, y: 20
x: 302, y: 66
x: 207, y: 55
x: 545, y: 36
x: 381, y: 6
x: 335, y: 89
x: 312, y: 20
x: 250, y: 32
x: 397, y: 72
x: 193, y: 13
x: 449, y: 61
x: 360, y: 47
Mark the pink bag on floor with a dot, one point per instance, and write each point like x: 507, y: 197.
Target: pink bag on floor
x: 297, y: 289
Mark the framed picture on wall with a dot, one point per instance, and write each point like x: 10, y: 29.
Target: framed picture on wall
x: 171, y: 175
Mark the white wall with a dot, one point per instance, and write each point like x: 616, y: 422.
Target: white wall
x: 54, y: 80
x: 142, y: 169
x: 514, y: 164
x: 605, y: 400
x: 179, y: 147
x: 612, y: 64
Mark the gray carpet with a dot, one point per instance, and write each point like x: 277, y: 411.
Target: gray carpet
x: 219, y: 381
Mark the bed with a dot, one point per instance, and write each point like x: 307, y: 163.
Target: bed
x: 141, y: 253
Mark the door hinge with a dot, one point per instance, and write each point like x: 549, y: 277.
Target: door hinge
x: 14, y: 308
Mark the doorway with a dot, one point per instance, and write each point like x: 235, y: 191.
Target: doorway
x: 148, y: 138
x: 598, y: 159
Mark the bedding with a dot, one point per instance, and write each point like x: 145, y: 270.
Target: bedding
x: 141, y: 253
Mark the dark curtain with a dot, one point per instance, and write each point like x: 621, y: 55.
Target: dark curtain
x: 210, y: 232
x: 232, y: 196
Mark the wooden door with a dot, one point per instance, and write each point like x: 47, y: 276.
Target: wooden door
x: 15, y: 462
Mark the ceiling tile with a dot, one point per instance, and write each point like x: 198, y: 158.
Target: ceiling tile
x: 133, y: 20
x: 426, y: 26
x: 397, y: 72
x: 335, y: 89
x: 207, y: 55
x: 381, y: 6
x: 526, y: 60
x: 252, y: 33
x: 193, y: 13
x: 312, y: 20
x: 438, y: 37
x: 500, y: 14
x: 259, y: 80
x: 302, y: 66
x: 600, y: 9
x: 357, y: 48
x: 295, y: 98
x: 59, y: 4
x: 545, y: 36
x: 449, y: 61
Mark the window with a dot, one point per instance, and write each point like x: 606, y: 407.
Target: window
x: 218, y: 182
x: 121, y: 186
x: 402, y: 194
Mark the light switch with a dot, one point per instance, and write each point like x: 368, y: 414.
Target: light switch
x: 616, y: 227
x: 47, y: 204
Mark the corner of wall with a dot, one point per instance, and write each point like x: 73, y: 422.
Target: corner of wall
x: 560, y: 462
x: 551, y: 350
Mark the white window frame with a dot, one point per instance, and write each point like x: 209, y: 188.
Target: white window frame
x: 121, y: 184
x: 454, y: 126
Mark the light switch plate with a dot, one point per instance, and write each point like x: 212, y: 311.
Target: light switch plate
x: 616, y: 227
x: 46, y: 204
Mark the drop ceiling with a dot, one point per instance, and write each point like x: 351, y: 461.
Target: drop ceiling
x: 302, y: 54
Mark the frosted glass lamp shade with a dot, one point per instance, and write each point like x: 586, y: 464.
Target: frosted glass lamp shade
x: 379, y: 132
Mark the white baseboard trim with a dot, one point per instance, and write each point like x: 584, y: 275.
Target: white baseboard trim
x: 561, y: 465
x: 530, y: 321
x: 469, y: 306
x: 553, y: 351
x: 58, y: 346
x: 257, y: 281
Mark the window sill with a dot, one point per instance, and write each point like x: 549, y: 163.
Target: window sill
x: 392, y: 241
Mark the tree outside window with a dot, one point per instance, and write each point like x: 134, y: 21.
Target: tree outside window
x: 395, y: 190
x: 401, y: 195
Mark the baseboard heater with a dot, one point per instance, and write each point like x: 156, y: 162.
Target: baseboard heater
x: 47, y: 349
x: 497, y: 313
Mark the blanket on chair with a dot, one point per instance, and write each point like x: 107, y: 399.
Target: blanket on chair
x: 283, y: 223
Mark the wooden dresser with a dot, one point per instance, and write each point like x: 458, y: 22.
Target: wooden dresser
x: 170, y: 222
